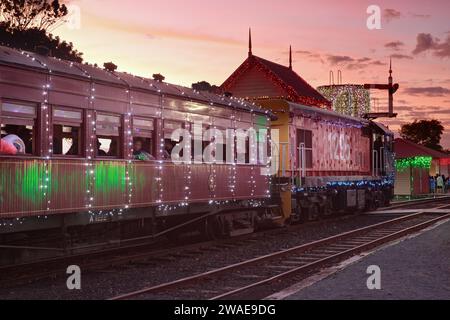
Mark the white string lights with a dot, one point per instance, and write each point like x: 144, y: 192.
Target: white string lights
x: 160, y: 185
x: 90, y: 151
x: 45, y: 150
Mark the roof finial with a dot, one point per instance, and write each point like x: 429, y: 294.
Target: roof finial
x: 390, y: 65
x: 290, y: 57
x: 249, y: 42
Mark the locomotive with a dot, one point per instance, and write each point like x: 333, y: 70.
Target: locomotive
x: 328, y: 162
x: 81, y: 126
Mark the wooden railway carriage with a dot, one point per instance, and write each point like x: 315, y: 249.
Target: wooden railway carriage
x: 79, y: 122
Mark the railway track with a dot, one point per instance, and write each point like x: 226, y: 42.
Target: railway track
x: 258, y: 277
x: 18, y: 274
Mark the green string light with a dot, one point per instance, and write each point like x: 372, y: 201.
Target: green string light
x: 414, y: 162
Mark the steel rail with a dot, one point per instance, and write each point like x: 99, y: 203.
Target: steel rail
x: 331, y: 258
x: 278, y: 254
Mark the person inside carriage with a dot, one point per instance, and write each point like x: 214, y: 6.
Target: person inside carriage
x: 139, y: 153
x: 15, y: 141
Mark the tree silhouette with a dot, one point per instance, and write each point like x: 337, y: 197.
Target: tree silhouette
x: 424, y: 132
x: 43, y: 15
x: 204, y: 86
x: 158, y: 77
x: 25, y: 25
x: 110, y: 66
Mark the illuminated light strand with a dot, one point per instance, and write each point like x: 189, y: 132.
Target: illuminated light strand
x: 45, y: 151
x: 159, y: 179
x: 348, y: 99
x: 291, y: 93
x: 128, y: 144
x: 413, y: 162
x: 374, y: 184
x: 129, y: 148
x: 268, y: 177
x: 90, y: 152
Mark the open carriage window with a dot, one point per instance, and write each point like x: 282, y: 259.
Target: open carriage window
x: 108, y: 128
x: 169, y: 127
x: 67, y: 131
x: 200, y: 142
x: 143, y: 139
x: 18, y: 128
x: 242, y: 141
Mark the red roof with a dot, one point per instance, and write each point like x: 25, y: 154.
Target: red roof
x: 407, y: 149
x: 298, y: 90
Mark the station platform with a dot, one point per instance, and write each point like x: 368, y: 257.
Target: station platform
x: 416, y: 267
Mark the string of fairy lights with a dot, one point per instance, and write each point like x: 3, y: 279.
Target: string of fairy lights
x: 413, y: 162
x: 45, y: 150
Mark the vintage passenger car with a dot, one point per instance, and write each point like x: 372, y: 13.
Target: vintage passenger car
x: 85, y: 132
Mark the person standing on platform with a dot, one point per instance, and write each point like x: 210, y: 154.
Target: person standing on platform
x: 432, y: 184
x: 440, y: 184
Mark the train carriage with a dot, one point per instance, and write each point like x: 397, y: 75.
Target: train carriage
x: 79, y: 123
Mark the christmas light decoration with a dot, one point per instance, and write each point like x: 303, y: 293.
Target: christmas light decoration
x: 291, y: 93
x: 413, y: 162
x: 45, y: 151
x: 348, y: 99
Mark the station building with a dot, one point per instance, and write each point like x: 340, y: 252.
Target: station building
x: 414, y: 166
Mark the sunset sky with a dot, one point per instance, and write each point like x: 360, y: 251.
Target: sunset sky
x: 193, y: 40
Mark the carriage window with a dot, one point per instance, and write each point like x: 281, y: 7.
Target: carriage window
x: 67, y: 124
x: 242, y: 141
x: 108, y: 128
x: 143, y: 139
x: 220, y: 152
x: 263, y: 144
x: 169, y: 127
x: 304, y: 138
x: 18, y: 128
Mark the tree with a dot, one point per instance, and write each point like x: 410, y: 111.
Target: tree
x: 25, y: 25
x: 424, y: 132
x: 158, y: 77
x: 204, y: 86
x: 110, y: 66
x: 31, y: 39
x: 43, y: 15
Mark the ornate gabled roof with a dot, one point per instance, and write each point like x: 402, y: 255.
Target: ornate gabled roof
x: 296, y: 88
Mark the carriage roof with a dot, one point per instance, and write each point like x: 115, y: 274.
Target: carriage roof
x: 88, y: 72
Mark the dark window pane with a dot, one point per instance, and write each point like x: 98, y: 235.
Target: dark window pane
x: 308, y: 138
